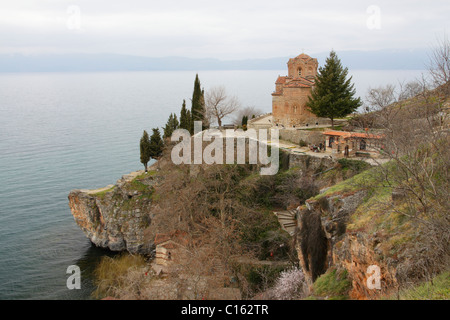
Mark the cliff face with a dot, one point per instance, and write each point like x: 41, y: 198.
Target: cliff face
x: 323, y: 241
x: 116, y: 217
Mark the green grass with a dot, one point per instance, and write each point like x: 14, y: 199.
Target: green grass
x: 102, y: 193
x: 436, y: 289
x: 374, y: 208
x: 333, y: 284
x: 145, y: 175
x: 139, y: 186
x: 366, y: 179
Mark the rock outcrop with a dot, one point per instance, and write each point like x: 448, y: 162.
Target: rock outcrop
x: 117, y: 217
x: 323, y: 241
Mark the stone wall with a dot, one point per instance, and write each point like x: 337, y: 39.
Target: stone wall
x: 289, y: 108
x: 295, y: 136
x: 310, y: 164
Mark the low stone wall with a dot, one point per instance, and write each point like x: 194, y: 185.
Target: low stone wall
x: 295, y: 136
x: 310, y: 164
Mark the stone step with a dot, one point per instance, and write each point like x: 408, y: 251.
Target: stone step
x: 287, y: 220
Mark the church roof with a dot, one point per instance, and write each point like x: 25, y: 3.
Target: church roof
x: 303, y: 56
x: 281, y: 80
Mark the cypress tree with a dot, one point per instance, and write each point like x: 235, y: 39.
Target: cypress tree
x: 190, y: 123
x: 244, y: 120
x: 156, y: 144
x: 171, y: 125
x: 198, y: 105
x: 332, y: 96
x: 175, y: 123
x: 168, y: 127
x: 145, y: 149
x: 185, y: 121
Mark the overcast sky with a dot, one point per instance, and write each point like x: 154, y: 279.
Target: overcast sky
x: 227, y: 29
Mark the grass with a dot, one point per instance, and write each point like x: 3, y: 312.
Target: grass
x: 364, y: 180
x: 111, y: 273
x: 436, y: 289
x: 333, y: 284
x: 374, y: 207
x: 145, y: 175
x: 101, y: 194
x: 139, y: 186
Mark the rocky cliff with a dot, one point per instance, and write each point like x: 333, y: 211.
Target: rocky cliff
x: 117, y: 217
x: 324, y: 241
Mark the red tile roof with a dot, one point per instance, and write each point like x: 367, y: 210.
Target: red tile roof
x: 281, y: 80
x: 347, y: 134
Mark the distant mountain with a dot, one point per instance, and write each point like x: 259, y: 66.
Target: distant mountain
x: 383, y: 59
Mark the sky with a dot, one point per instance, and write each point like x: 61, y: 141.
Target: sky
x: 227, y: 30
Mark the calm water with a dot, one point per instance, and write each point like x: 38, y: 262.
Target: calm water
x: 64, y: 131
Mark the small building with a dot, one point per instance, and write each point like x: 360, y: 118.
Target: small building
x: 347, y: 144
x: 170, y: 247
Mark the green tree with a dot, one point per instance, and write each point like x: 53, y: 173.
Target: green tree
x: 171, y: 125
x: 145, y: 149
x: 198, y: 111
x: 190, y: 122
x: 333, y: 94
x: 156, y: 144
x: 244, y: 120
x: 185, y: 117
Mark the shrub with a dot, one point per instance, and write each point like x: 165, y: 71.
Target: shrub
x: 290, y: 285
x: 303, y: 143
x: 355, y: 165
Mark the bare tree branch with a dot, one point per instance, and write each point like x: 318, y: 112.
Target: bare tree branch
x: 439, y: 65
x: 219, y: 104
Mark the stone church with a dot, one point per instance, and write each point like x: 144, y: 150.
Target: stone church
x: 291, y: 94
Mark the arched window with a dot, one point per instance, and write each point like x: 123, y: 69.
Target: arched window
x: 295, y: 109
x: 299, y: 72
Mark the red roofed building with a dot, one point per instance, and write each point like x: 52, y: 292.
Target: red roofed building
x: 343, y: 143
x: 292, y: 92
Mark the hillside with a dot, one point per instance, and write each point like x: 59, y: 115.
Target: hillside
x: 209, y: 231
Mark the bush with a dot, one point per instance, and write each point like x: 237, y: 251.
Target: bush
x: 290, y: 285
x: 354, y: 165
x: 303, y: 143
